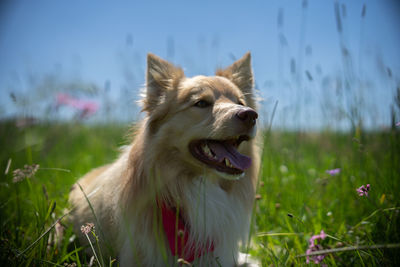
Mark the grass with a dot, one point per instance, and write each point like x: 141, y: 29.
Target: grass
x: 297, y: 198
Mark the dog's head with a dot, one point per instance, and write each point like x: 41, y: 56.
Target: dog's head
x: 203, y: 122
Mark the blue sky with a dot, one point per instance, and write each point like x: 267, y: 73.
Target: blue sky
x: 88, y: 39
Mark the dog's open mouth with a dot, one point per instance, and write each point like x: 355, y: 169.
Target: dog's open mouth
x: 221, y: 155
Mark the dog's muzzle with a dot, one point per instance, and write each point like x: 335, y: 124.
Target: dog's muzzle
x: 223, y: 154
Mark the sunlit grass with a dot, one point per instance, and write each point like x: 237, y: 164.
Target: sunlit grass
x: 297, y: 197
x: 300, y: 198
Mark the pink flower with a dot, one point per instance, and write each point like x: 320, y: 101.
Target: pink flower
x: 314, y: 246
x: 87, y: 108
x: 363, y: 190
x: 322, y: 235
x: 333, y: 172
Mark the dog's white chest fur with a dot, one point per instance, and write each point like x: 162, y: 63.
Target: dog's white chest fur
x: 216, y: 215
x: 212, y: 215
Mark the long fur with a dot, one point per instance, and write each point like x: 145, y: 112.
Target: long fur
x: 157, y: 166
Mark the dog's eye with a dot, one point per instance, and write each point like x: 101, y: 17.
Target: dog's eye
x: 202, y: 104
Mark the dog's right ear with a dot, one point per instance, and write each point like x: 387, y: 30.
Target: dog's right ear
x: 161, y: 77
x: 240, y: 73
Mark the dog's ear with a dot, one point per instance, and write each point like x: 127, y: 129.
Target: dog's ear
x: 161, y: 77
x: 240, y: 73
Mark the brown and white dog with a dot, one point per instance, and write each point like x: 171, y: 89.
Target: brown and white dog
x: 184, y: 189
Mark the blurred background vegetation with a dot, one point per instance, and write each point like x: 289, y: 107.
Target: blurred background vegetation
x: 331, y: 65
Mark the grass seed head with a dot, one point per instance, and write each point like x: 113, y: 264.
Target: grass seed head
x: 87, y: 228
x: 26, y: 172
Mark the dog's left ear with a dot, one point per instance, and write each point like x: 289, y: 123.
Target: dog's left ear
x: 240, y: 73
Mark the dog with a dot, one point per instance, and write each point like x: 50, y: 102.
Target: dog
x: 183, y: 191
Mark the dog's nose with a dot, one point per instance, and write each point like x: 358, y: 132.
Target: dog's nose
x: 248, y: 116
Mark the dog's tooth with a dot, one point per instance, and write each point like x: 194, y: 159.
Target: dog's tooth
x: 207, y: 150
x: 228, y: 163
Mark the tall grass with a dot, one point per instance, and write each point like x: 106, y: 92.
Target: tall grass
x: 297, y: 198
x: 300, y: 199
x: 30, y: 208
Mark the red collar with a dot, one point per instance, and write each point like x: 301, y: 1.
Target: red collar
x: 177, y: 233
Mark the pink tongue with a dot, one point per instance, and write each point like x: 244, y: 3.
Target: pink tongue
x: 225, y: 150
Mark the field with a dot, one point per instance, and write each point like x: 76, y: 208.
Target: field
x: 297, y: 195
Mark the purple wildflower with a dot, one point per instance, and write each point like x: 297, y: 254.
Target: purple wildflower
x: 86, y: 229
x: 333, y: 172
x: 398, y: 123
x: 313, y: 246
x: 363, y: 190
